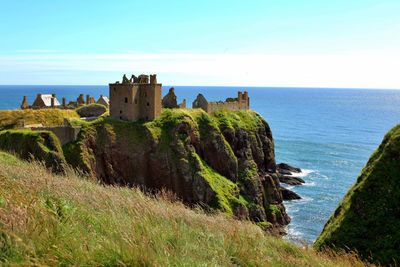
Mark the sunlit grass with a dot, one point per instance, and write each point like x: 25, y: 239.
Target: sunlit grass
x: 66, y: 220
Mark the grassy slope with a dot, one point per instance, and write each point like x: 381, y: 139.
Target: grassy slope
x: 367, y: 219
x: 47, y: 117
x: 53, y: 220
x: 40, y: 145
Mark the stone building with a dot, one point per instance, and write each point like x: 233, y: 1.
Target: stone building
x: 242, y: 102
x: 137, y: 98
x: 80, y: 101
x: 170, y: 100
x: 45, y: 101
x: 103, y: 100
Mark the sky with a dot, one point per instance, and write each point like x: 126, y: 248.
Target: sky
x: 276, y: 43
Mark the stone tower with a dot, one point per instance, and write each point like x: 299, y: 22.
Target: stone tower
x: 137, y: 98
x: 24, y: 104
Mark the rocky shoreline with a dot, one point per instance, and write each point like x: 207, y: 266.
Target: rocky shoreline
x: 286, y: 175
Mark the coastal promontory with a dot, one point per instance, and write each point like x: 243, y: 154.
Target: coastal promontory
x: 368, y: 218
x: 221, y: 161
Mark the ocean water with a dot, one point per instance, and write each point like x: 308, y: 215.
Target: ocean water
x: 329, y: 133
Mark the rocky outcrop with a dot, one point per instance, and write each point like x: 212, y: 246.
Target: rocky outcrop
x: 368, y: 218
x: 290, y: 180
x: 289, y: 194
x: 222, y: 161
x: 286, y: 169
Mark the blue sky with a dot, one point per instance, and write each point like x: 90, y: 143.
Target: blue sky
x: 254, y: 43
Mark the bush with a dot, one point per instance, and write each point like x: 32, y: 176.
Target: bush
x: 92, y: 110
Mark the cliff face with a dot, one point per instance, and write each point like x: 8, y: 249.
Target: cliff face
x: 224, y: 161
x: 368, y: 218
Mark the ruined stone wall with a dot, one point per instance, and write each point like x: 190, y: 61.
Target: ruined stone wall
x: 213, y: 106
x: 240, y: 103
x: 66, y: 134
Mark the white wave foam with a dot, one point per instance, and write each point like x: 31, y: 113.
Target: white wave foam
x: 303, y: 173
x: 309, y: 184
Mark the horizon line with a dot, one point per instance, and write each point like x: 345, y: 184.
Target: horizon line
x: 232, y: 86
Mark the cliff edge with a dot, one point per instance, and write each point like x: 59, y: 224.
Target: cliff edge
x: 368, y: 218
x: 222, y: 161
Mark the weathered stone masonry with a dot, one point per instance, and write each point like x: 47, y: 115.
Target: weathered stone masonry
x: 137, y: 98
x: 242, y: 102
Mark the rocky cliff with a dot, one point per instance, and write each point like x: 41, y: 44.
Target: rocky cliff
x: 222, y: 161
x: 368, y: 218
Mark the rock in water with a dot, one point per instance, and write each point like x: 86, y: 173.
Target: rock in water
x: 291, y: 180
x: 289, y: 194
x: 368, y: 218
x: 284, y: 168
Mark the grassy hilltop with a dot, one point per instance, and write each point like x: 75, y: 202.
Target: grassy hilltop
x: 368, y: 218
x: 47, y: 219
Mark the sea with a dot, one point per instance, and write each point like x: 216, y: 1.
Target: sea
x: 328, y: 133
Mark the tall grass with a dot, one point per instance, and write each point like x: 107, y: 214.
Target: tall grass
x: 47, y: 117
x: 47, y: 219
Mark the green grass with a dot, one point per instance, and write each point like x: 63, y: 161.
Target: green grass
x: 244, y: 119
x: 227, y: 192
x: 48, y: 117
x: 367, y: 219
x: 164, y: 134
x: 40, y: 145
x: 48, y: 219
x: 94, y: 108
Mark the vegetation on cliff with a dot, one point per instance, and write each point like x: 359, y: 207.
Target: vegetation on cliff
x: 39, y: 145
x: 47, y: 117
x: 224, y: 161
x: 48, y: 219
x: 368, y: 218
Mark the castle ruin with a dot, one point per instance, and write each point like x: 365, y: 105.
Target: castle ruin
x: 137, y: 98
x: 43, y: 101
x: 170, y: 100
x: 242, y: 102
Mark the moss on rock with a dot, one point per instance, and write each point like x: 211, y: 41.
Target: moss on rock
x: 39, y: 145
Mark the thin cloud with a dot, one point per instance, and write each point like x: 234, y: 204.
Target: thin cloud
x: 367, y: 69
